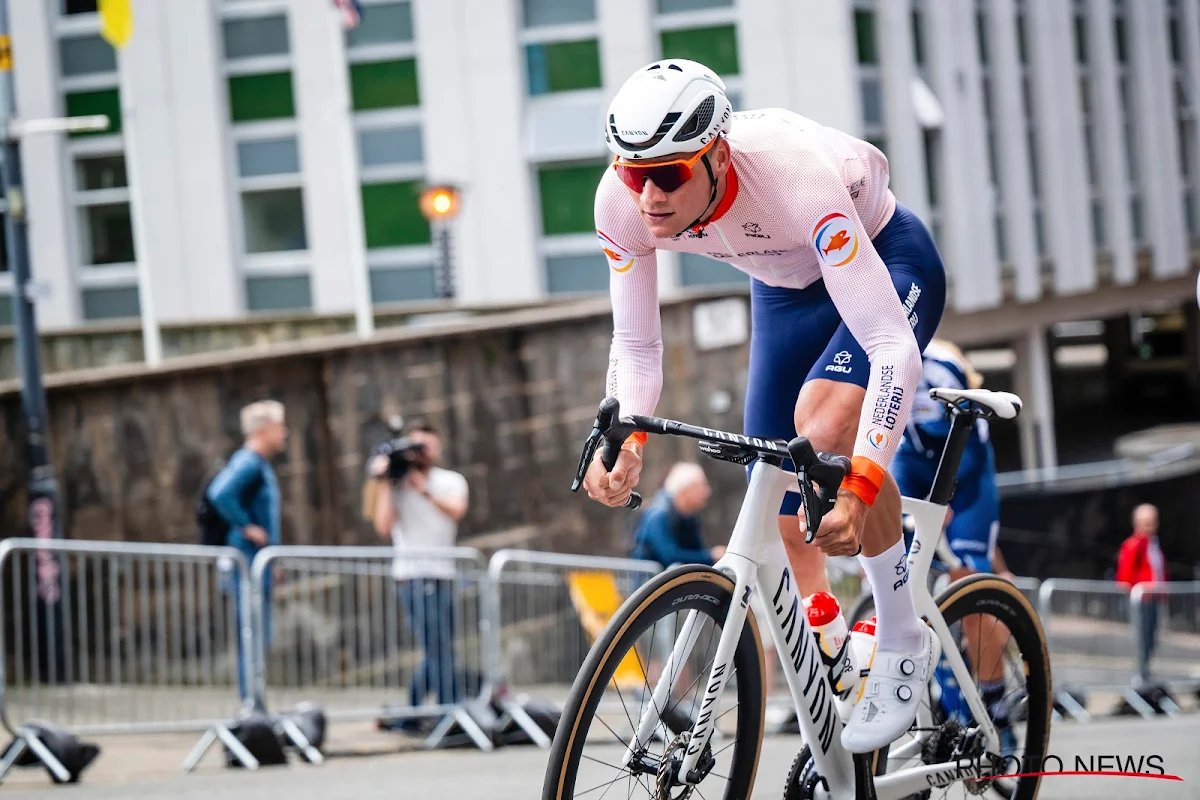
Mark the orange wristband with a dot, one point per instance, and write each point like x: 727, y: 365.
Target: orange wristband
x: 865, y: 479
x: 639, y: 437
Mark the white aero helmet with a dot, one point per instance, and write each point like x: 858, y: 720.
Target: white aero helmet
x: 670, y: 107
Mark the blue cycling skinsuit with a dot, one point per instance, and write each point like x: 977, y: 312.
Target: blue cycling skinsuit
x: 976, y: 503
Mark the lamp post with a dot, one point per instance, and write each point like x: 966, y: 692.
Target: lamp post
x: 440, y: 204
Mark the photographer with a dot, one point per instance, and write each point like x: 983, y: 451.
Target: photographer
x: 421, y: 509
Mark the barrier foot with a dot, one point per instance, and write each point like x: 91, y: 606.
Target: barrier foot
x: 1138, y: 704
x: 28, y: 740
x: 472, y: 730
x: 228, y: 739
x: 1168, y: 705
x: 513, y: 711
x: 301, y: 742
x: 1072, y: 707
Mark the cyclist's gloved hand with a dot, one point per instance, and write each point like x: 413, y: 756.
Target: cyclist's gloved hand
x: 613, y: 488
x: 841, y: 529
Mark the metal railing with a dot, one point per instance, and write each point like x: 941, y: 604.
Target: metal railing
x: 143, y: 637
x: 370, y: 633
x: 546, y: 610
x: 1165, y: 618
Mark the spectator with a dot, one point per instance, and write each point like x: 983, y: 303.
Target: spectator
x: 246, y: 495
x: 1141, y: 561
x: 423, y: 511
x: 669, y: 530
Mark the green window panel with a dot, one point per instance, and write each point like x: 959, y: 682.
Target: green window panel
x: 266, y: 96
x: 104, y: 101
x: 392, y: 216
x: 715, y: 47
x: 563, y: 66
x: 384, y: 84
x: 864, y: 37
x: 568, y: 197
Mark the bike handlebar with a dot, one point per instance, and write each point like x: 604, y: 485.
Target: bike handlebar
x: 810, y: 465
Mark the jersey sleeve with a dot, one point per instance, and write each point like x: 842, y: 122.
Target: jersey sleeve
x: 861, y: 288
x: 635, y: 358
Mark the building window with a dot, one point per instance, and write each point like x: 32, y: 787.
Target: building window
x: 715, y: 47
x: 268, y: 157
x: 85, y: 55
x: 576, y: 273
x: 117, y: 302
x: 382, y: 146
x: 278, y: 293
x: 864, y: 37
x: 101, y: 101
x: 698, y: 270
x: 109, y: 228
x: 918, y: 37
x: 557, y: 12
x: 384, y: 84
x: 101, y: 196
x: 274, y: 220
x: 260, y: 97
x: 392, y: 216
x: 397, y: 284
x: 382, y: 23
x: 568, y: 195
x: 78, y: 6
x: 562, y: 66
x: 255, y: 37
x: 673, y: 6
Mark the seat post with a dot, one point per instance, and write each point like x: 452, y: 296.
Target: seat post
x: 947, y: 470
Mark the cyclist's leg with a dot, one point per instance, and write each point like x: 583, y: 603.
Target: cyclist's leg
x: 789, y: 332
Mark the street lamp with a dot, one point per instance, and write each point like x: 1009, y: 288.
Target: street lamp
x: 439, y: 205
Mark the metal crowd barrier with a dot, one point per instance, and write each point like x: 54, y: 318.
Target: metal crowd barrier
x: 1165, y: 619
x: 365, y: 633
x: 106, y: 637
x: 546, y: 610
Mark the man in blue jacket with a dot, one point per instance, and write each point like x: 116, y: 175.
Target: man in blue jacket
x: 246, y: 495
x: 669, y: 530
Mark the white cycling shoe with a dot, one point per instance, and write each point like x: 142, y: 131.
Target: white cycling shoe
x: 891, y: 695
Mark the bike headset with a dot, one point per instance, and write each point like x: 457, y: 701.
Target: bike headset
x: 673, y: 107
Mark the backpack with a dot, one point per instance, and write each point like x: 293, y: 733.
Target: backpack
x: 212, y: 527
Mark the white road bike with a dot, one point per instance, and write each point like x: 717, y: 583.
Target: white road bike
x: 713, y: 676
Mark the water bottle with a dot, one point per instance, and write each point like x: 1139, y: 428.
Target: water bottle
x: 862, y: 645
x: 833, y: 640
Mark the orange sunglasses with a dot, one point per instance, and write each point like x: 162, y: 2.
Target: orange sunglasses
x: 667, y: 175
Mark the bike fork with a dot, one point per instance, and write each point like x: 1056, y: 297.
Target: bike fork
x: 661, y: 696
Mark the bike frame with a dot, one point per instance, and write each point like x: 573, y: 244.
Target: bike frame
x: 756, y: 561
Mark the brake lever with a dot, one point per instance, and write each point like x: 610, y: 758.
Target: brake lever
x: 589, y: 452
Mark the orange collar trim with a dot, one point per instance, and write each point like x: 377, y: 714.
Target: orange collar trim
x: 731, y: 190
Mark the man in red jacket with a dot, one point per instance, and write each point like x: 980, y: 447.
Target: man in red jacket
x: 1141, y: 561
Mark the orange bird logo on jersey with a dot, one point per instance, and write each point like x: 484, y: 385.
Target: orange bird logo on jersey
x: 837, y: 242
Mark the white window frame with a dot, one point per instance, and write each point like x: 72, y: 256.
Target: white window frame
x: 704, y: 18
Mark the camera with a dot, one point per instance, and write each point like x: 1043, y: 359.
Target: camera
x: 402, y: 454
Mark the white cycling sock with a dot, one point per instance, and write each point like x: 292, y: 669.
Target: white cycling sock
x: 897, y: 626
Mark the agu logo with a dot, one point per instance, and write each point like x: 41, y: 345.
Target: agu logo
x: 836, y: 240
x: 618, y: 258
x: 877, y: 439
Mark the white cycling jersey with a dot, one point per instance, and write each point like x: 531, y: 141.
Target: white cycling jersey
x: 802, y: 203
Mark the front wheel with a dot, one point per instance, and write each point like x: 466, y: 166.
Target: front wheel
x: 616, y: 683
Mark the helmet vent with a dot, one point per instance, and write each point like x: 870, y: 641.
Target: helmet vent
x: 675, y: 67
x: 698, y: 122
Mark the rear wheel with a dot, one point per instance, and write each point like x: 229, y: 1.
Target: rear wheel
x: 616, y: 683
x: 991, y: 610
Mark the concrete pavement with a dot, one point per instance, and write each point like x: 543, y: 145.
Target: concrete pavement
x: 152, y: 770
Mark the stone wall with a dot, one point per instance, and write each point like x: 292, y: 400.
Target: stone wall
x: 103, y: 344
x: 514, y: 395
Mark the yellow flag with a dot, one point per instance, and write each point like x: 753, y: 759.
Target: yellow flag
x: 116, y: 21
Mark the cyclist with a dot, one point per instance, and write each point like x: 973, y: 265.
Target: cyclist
x: 973, y: 516
x: 846, y: 289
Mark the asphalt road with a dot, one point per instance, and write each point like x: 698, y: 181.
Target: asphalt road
x: 516, y: 773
